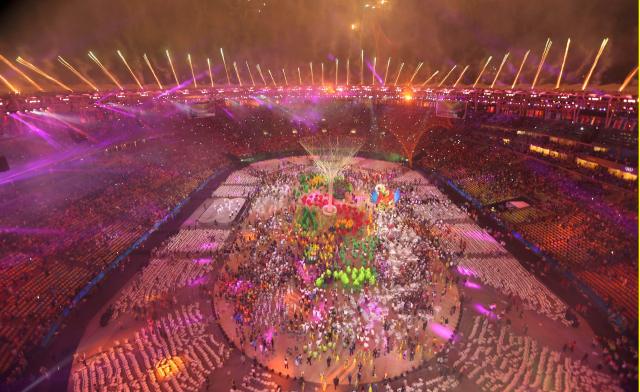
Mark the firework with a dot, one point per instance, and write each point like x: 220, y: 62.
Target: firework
x: 253, y: 83
x: 42, y: 73
x: 311, y: 72
x: 235, y: 67
x: 299, y: 77
x: 322, y: 74
x: 193, y: 74
x: 628, y: 79
x: 286, y: 83
x: 429, y: 78
x: 481, y: 72
x: 564, y: 59
x: 261, y: 75
x: 460, y: 77
x: 373, y: 72
x: 146, y: 60
x: 386, y: 71
x: 504, y: 60
x: 446, y: 76
x: 547, y: 47
x: 395, y: 83
x: 337, y: 61
x: 130, y: 70
x: 210, y: 73
x: 273, y: 80
x: 415, y: 73
x: 348, y: 69
x: 77, y: 73
x: 9, y: 85
x: 173, y: 70
x: 595, y: 62
x: 226, y: 70
x: 362, y: 66
x: 524, y: 59
x: 19, y: 72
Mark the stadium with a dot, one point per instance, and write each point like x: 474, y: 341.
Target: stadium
x: 348, y: 215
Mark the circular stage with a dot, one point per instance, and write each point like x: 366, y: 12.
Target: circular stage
x: 354, y: 296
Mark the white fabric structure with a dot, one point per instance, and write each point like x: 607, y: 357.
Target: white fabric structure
x: 204, y: 241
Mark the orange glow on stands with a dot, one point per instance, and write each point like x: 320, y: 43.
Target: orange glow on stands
x: 105, y: 70
x: 146, y: 60
x: 130, y: 70
x: 19, y: 72
x: 42, y: 73
x: 168, y: 368
x: 407, y: 96
x: 524, y: 59
x: 595, y: 62
x: 77, y: 73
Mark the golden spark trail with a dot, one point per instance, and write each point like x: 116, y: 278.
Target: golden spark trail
x: 429, y: 79
x: 348, y: 69
x: 362, y: 66
x: 105, y: 70
x: 253, y: 83
x: 322, y: 74
x: 272, y: 78
x: 460, y: 77
x: 42, y: 73
x: 564, y: 59
x: 446, y: 76
x: 337, y: 70
x: 628, y: 79
x: 299, y: 77
x: 19, y: 72
x: 237, y: 73
x: 224, y: 62
x: 504, y: 60
x: 311, y: 71
x: 547, y: 47
x: 395, y: 83
x: 9, y: 85
x: 415, y: 73
x: 77, y: 73
x: 481, y: 72
x: 210, y: 73
x: 373, y: 72
x: 286, y: 83
x: 595, y: 62
x: 130, y: 70
x: 146, y: 60
x: 193, y: 74
x: 261, y: 75
x: 524, y: 59
x: 175, y: 76
x: 386, y: 71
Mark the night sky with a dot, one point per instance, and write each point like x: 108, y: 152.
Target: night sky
x: 290, y: 33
